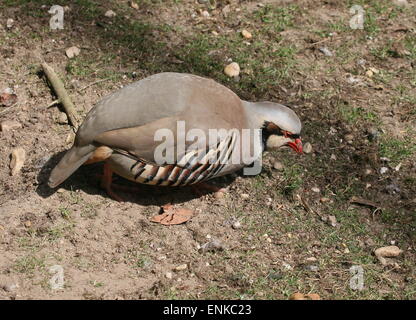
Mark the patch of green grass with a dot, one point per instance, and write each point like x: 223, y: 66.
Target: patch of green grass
x: 28, y: 264
x: 277, y: 18
x: 397, y: 149
x: 292, y: 175
x: 354, y: 114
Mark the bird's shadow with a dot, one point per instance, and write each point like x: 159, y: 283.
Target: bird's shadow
x: 87, y: 179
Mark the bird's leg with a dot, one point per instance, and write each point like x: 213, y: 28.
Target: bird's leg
x: 106, y: 181
x: 203, y: 188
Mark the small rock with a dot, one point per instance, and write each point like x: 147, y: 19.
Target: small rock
x: 181, y: 267
x: 361, y: 62
x: 326, y: 51
x: 316, y: 189
x: 307, y: 147
x: 297, y: 296
x: 9, y: 125
x: 383, y: 170
x: 324, y: 200
x: 9, y: 23
x: 169, y: 275
x: 212, y: 245
x: 110, y: 14
x: 18, y: 157
x: 332, y: 221
x: 63, y: 118
x: 218, y: 195
x: 287, y: 266
x: 72, y: 52
x: 333, y: 157
x: 311, y: 260
x: 353, y: 80
x: 134, y: 5
x: 368, y: 171
x: 236, y: 225
x: 205, y: 14
x: 245, y: 196
x: 232, y: 70
x: 277, y: 165
x: 246, y: 34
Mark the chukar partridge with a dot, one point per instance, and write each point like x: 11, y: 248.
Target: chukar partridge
x: 125, y: 128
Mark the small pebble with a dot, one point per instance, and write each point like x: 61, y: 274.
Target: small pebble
x: 307, y: 147
x: 277, y: 165
x: 18, y: 157
x: 236, y: 225
x: 245, y: 196
x: 246, y: 34
x: 316, y: 189
x: 181, y: 267
x: 62, y: 118
x: 134, y: 5
x: 212, y: 245
x: 169, y: 275
x: 232, y: 70
x: 324, y: 200
x: 326, y: 51
x: 383, y: 170
x: 332, y: 220
x: 205, y: 14
x: 72, y: 52
x: 9, y: 23
x: 110, y: 14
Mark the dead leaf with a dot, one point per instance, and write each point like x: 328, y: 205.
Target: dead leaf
x: 72, y: 52
x: 301, y: 296
x: 387, y: 252
x: 7, y: 99
x: 18, y: 157
x: 172, y: 216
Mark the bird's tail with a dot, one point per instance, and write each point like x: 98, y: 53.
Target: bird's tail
x: 70, y: 162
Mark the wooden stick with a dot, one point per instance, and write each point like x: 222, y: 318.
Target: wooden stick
x: 63, y: 96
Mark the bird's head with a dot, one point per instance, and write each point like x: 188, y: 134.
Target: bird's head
x: 280, y: 125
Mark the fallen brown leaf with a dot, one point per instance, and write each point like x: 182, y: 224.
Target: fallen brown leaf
x: 172, y: 216
x: 301, y: 296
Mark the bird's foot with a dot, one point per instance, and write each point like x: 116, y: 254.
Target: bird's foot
x: 106, y: 183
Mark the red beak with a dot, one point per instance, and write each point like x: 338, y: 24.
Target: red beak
x: 297, y: 145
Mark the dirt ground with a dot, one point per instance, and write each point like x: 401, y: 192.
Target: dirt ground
x: 299, y: 228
